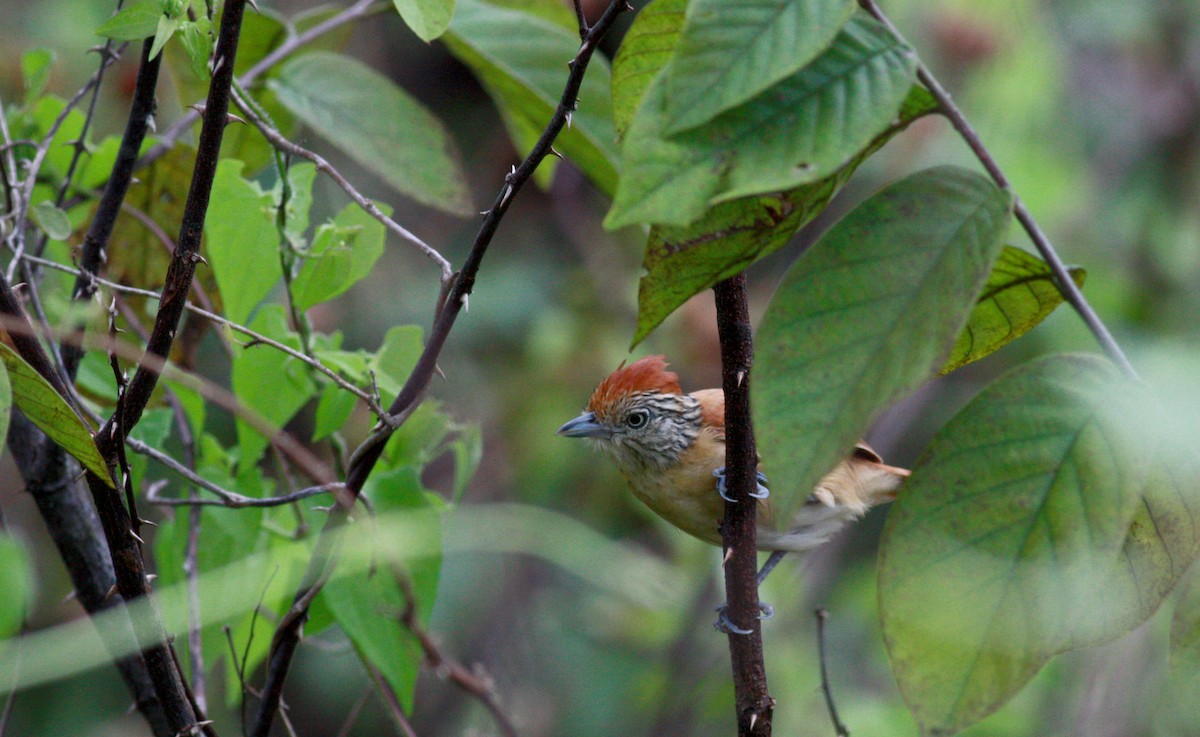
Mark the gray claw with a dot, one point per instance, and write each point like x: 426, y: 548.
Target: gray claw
x: 726, y: 625
x: 719, y: 475
x: 761, y: 491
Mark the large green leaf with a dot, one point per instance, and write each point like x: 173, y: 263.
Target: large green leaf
x: 134, y: 22
x: 427, y: 18
x: 731, y: 50
x: 866, y: 316
x: 800, y: 130
x: 342, y: 253
x: 44, y: 407
x: 645, y: 50
x: 1045, y: 516
x: 1018, y: 295
x: 377, y: 124
x: 241, y: 240
x: 271, y: 383
x: 522, y: 61
x: 683, y: 261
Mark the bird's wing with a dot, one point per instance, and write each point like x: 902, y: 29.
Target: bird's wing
x: 712, y: 407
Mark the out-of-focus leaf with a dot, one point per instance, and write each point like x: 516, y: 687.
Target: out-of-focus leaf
x: 800, y: 130
x: 377, y: 124
x: 333, y: 409
x: 52, y: 220
x: 134, y: 22
x: 35, y: 71
x: 271, y: 383
x: 38, y: 401
x: 196, y: 37
x: 427, y: 18
x: 682, y: 261
x: 1018, y: 295
x: 522, y: 61
x: 402, y: 346
x: 645, y: 50
x: 368, y: 605
x: 1046, y: 516
x: 167, y: 25
x: 866, y: 316
x: 16, y: 583
x: 731, y: 50
x: 242, y: 240
x: 342, y: 253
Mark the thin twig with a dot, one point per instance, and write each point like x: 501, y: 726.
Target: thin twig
x: 278, y: 140
x: 229, y: 499
x: 474, y: 681
x: 838, y: 726
x: 394, y: 709
x: 1062, y: 277
x: 287, y: 633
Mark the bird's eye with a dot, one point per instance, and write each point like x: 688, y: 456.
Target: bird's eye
x: 637, y: 418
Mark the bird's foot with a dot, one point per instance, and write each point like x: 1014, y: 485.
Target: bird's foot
x: 760, y: 492
x: 726, y: 625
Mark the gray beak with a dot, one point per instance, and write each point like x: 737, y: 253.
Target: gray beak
x: 584, y: 426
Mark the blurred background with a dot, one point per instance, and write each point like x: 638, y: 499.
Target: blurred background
x: 1092, y: 107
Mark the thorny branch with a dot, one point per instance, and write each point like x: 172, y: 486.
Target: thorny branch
x: 1062, y: 277
x: 287, y: 634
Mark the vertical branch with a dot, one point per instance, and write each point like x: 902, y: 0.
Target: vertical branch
x: 738, y: 529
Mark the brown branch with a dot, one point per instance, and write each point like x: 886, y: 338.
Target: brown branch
x: 838, y: 726
x: 1062, y: 277
x: 287, y: 634
x: 753, y: 702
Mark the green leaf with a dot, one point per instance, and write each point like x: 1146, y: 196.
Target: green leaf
x: 342, y: 253
x: 34, y: 396
x: 1019, y: 294
x: 1046, y: 516
x: 300, y: 178
x: 522, y: 61
x: 35, y: 71
x: 367, y: 604
x: 427, y: 18
x: 51, y: 219
x: 683, y: 261
x: 377, y: 124
x: 241, y: 240
x: 6, y: 402
x: 800, y: 130
x: 271, y: 383
x: 866, y: 316
x: 1184, y: 677
x: 136, y: 21
x: 397, y: 356
x: 197, y: 40
x: 645, y: 50
x: 167, y: 25
x: 333, y: 409
x: 16, y: 583
x: 731, y: 50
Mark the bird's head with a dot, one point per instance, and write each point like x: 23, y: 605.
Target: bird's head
x: 639, y: 416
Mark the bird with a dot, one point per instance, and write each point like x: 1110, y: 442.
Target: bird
x: 670, y: 448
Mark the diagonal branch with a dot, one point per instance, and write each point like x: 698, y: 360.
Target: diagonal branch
x: 1062, y: 277
x: 287, y: 634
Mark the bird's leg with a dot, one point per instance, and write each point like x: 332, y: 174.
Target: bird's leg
x: 760, y: 491
x: 726, y: 625
x: 769, y: 566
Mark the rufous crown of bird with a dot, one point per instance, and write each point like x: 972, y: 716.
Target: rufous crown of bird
x: 670, y: 448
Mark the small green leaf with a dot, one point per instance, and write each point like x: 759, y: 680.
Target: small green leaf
x: 51, y: 219
x: 683, y: 261
x: 135, y: 22
x: 801, y: 130
x: 731, y: 50
x: 333, y: 409
x: 1019, y: 294
x: 34, y: 396
x: 866, y: 316
x: 377, y: 124
x: 16, y: 582
x: 197, y: 40
x: 522, y: 61
x: 397, y: 356
x: 6, y: 402
x: 645, y: 50
x: 427, y: 18
x: 342, y: 253
x: 35, y: 71
x: 241, y: 240
x: 300, y: 178
x: 1050, y: 514
x: 167, y: 25
x: 271, y: 383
